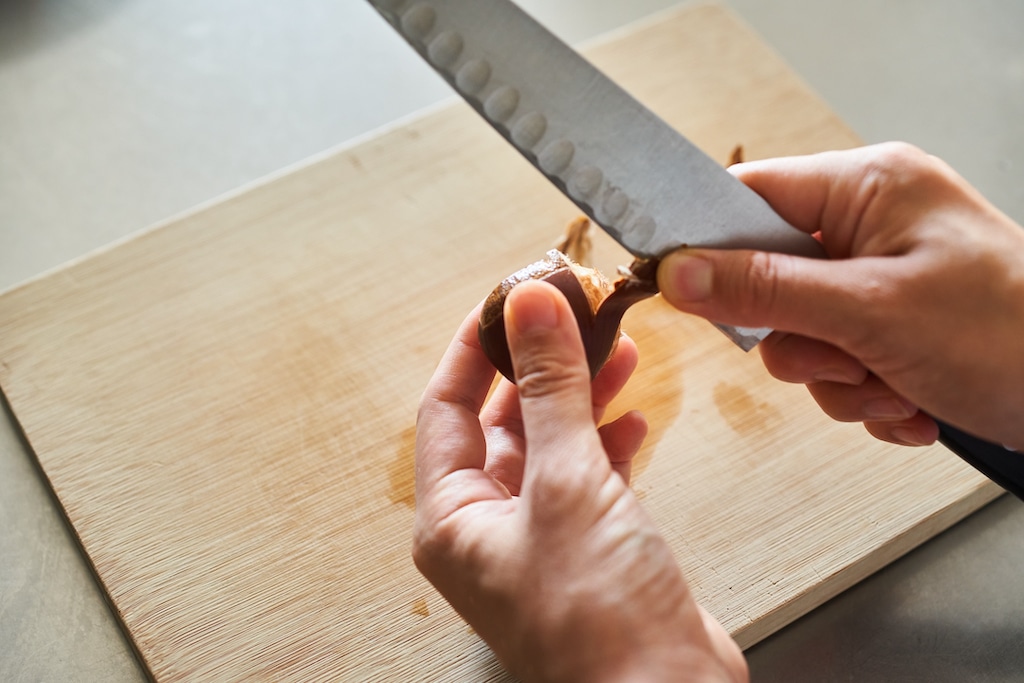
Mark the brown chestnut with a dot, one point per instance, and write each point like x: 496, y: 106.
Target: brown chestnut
x: 597, y: 304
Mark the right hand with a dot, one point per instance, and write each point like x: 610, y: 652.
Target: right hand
x: 920, y: 306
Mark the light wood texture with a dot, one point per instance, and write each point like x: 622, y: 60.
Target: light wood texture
x: 224, y: 404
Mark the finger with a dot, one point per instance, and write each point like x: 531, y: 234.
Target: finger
x: 448, y: 432
x: 805, y: 190
x: 802, y: 360
x: 505, y: 452
x: 919, y: 430
x: 503, y: 422
x: 725, y: 647
x: 825, y: 300
x: 832, y: 192
x: 614, y: 375
x: 846, y: 196
x: 870, y: 401
x: 622, y: 440
x: 503, y: 408
x: 554, y: 385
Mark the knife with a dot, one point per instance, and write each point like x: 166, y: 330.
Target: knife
x: 614, y: 158
x: 638, y: 178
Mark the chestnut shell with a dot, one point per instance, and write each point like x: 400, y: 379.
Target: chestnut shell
x: 597, y: 305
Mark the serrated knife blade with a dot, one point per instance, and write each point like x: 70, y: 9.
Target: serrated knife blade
x: 638, y: 178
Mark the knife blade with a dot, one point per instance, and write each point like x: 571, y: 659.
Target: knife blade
x: 635, y: 176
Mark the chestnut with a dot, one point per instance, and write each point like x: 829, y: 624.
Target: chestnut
x: 597, y: 304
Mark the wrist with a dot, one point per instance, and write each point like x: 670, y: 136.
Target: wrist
x: 692, y: 667
x: 614, y: 664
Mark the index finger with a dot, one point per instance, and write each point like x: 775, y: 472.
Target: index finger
x: 798, y: 188
x: 448, y: 432
x: 832, y: 191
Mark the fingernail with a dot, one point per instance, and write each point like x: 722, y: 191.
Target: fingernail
x: 888, y: 409
x: 908, y: 437
x: 531, y: 307
x: 688, y: 278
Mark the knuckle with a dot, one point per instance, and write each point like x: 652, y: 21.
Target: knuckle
x: 782, y: 356
x: 881, y: 309
x: 898, y: 157
x: 548, y: 373
x: 866, y: 341
x: 562, y: 497
x: 898, y: 153
x: 432, y: 542
x: 425, y: 540
x: 420, y: 552
x: 578, y: 490
x: 758, y: 287
x: 831, y: 403
x: 896, y: 167
x: 783, y: 367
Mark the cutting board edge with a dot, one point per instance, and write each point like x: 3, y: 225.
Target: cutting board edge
x: 51, y: 491
x: 985, y: 493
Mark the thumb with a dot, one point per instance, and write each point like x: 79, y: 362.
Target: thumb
x: 815, y: 298
x: 553, y: 381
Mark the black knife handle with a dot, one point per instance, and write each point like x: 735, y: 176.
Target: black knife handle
x: 1000, y: 464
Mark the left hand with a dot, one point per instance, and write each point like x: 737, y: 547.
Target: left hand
x: 525, y: 521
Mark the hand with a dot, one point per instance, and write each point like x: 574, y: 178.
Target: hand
x: 921, y: 306
x: 525, y: 521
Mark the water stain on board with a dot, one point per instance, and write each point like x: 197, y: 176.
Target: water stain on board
x: 402, y: 470
x: 656, y: 388
x: 743, y: 413
x: 420, y: 607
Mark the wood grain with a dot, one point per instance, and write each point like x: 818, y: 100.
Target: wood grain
x: 224, y: 404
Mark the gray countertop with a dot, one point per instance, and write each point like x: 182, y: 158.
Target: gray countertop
x: 115, y: 114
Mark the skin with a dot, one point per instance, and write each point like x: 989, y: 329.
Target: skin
x: 524, y: 518
x: 919, y: 312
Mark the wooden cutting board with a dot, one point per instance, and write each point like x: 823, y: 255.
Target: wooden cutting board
x: 224, y: 404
